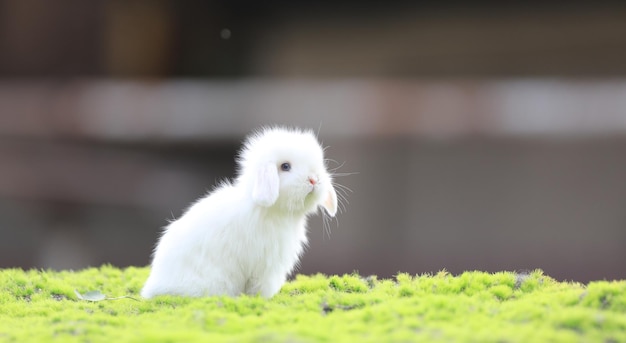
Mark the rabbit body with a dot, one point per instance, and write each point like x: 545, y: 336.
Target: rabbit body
x: 246, y: 237
x: 248, y: 251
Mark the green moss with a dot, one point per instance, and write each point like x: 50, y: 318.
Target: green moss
x: 474, y: 306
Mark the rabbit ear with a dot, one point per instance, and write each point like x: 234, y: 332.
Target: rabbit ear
x: 265, y: 188
x: 330, y: 203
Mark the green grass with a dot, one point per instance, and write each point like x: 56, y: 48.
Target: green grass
x: 41, y: 306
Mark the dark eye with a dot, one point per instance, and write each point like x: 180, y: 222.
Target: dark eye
x: 285, y: 166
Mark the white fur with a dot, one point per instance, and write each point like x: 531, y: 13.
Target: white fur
x: 246, y: 237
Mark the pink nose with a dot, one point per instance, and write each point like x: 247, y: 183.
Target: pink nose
x: 312, y: 181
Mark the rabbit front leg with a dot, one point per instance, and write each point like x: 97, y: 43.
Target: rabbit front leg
x: 267, y: 286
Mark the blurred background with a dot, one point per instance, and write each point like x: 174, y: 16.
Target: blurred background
x: 485, y: 136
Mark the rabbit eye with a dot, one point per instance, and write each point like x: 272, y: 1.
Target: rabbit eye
x: 285, y: 166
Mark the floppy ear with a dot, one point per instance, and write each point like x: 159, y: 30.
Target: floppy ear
x: 330, y: 203
x: 265, y: 187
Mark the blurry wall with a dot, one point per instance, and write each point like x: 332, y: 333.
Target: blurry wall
x: 484, y: 137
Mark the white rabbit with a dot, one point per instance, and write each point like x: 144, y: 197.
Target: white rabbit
x: 246, y: 237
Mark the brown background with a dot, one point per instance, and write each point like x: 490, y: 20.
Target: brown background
x: 485, y: 136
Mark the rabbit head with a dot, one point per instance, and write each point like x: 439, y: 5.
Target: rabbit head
x: 285, y: 169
